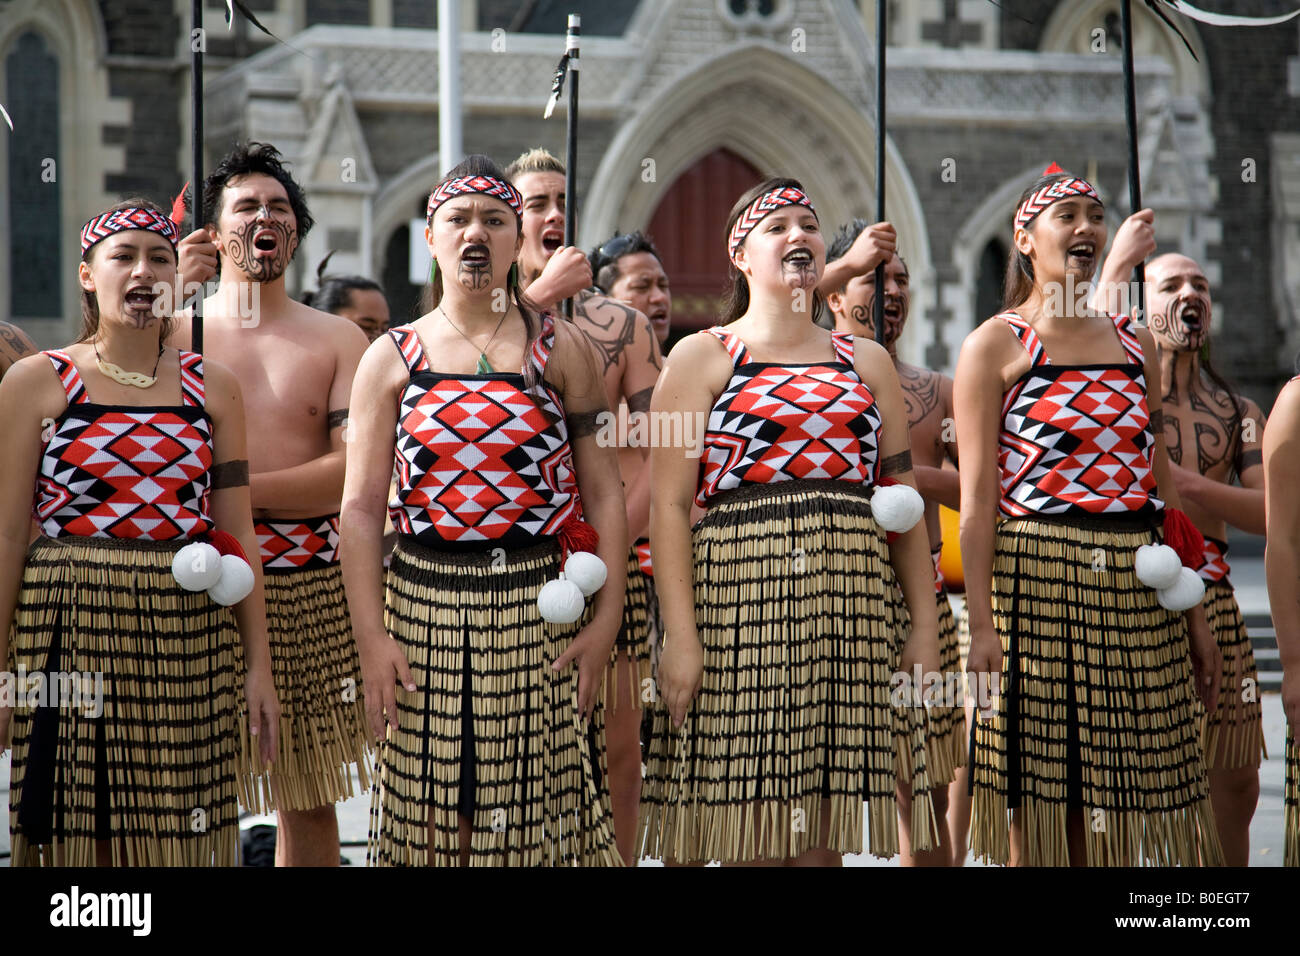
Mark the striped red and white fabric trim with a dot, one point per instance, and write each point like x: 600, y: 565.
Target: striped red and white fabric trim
x: 467, y: 185
x: 120, y: 220
x: 1052, y: 193
x: 757, y: 210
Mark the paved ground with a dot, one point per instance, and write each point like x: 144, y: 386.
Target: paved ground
x: 1265, y: 831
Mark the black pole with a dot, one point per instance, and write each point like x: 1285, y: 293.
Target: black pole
x: 197, y: 42
x: 880, y: 162
x: 1130, y: 114
x: 571, y: 146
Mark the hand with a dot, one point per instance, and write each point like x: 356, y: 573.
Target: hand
x: 1135, y: 239
x: 985, y: 658
x: 566, y: 274
x: 591, y: 649
x: 263, y: 712
x: 197, y: 257
x: 681, y: 673
x: 874, y: 245
x: 1290, y: 701
x: 1186, y: 482
x: 1207, y: 661
x: 383, y: 667
x: 923, y: 650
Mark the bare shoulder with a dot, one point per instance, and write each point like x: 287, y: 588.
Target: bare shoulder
x: 341, y: 332
x: 14, y: 345
x: 32, y: 382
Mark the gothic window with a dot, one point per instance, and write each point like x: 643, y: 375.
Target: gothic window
x: 988, y: 282
x: 32, y: 99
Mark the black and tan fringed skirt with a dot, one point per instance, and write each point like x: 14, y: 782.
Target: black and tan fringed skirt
x: 1096, y: 712
x: 318, y: 682
x: 492, y: 732
x: 1234, y: 733
x: 802, y: 632
x: 125, y: 731
x: 1291, y: 801
x: 633, y: 641
x: 947, y: 740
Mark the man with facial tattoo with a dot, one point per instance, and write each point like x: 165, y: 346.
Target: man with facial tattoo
x: 295, y: 365
x: 849, y: 285
x: 1214, y: 439
x: 627, y: 353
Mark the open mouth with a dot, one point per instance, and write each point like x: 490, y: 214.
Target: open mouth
x: 140, y: 298
x: 476, y: 256
x: 552, y: 240
x: 798, y: 257
x: 265, y: 241
x: 1191, y: 317
x: 1083, y: 253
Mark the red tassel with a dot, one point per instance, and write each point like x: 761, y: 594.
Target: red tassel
x: 1182, y: 536
x: 226, y: 543
x: 1053, y: 170
x: 576, y: 535
x: 890, y: 536
x: 178, y: 206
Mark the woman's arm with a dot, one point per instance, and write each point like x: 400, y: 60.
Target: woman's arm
x: 1205, y: 655
x: 30, y: 394
x: 1282, y: 549
x: 694, y: 374
x: 230, y: 507
x: 910, y: 551
x: 600, y: 487
x: 977, y: 398
x: 370, y: 439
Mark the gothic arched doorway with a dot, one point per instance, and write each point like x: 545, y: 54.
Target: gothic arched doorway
x: 687, y: 227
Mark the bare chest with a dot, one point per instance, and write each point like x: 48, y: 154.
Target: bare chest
x: 1202, y: 433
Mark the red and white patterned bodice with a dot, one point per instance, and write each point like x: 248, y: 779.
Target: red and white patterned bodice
x: 786, y: 422
x: 477, y: 458
x: 1076, y: 439
x: 126, y: 471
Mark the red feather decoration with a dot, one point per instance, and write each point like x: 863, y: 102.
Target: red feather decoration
x: 226, y: 543
x: 1053, y: 170
x: 576, y: 535
x: 178, y: 206
x: 1182, y: 536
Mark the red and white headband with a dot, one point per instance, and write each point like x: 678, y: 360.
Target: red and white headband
x: 120, y: 220
x: 1052, y: 193
x: 756, y: 211
x: 467, y: 185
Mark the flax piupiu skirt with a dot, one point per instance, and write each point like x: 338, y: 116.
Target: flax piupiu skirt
x: 491, y: 732
x: 633, y: 641
x: 1291, y: 813
x: 148, y: 760
x: 798, y: 611
x: 1234, y: 733
x: 1097, y: 710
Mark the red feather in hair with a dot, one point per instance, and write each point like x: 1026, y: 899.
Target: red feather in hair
x: 178, y: 206
x: 1053, y: 170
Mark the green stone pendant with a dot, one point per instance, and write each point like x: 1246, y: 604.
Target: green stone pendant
x: 483, y: 367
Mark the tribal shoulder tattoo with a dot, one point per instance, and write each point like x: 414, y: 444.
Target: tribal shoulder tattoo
x: 1208, y: 419
x: 921, y: 393
x: 609, y: 325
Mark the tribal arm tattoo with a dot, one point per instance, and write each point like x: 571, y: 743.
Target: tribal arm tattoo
x: 1250, y: 458
x: 229, y: 474
x: 921, y: 393
x: 584, y: 423
x: 609, y: 325
x: 14, y: 344
x: 640, y: 401
x: 896, y: 464
x: 337, y: 417
x: 1158, y: 420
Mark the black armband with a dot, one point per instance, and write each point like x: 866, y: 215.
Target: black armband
x: 229, y: 474
x: 896, y: 464
x: 337, y: 417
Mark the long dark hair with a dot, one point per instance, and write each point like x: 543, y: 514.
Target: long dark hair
x: 1019, y: 281
x: 480, y: 165
x: 736, y: 301
x: 90, y: 304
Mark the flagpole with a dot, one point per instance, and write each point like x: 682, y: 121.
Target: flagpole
x: 880, y: 163
x: 197, y: 42
x: 1130, y: 114
x: 571, y: 39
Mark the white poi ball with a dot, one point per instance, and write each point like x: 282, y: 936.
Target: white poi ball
x: 587, y: 571
x: 236, y: 581
x: 897, y: 507
x: 560, y: 601
x: 1157, y: 566
x: 1186, y: 594
x: 197, y: 566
